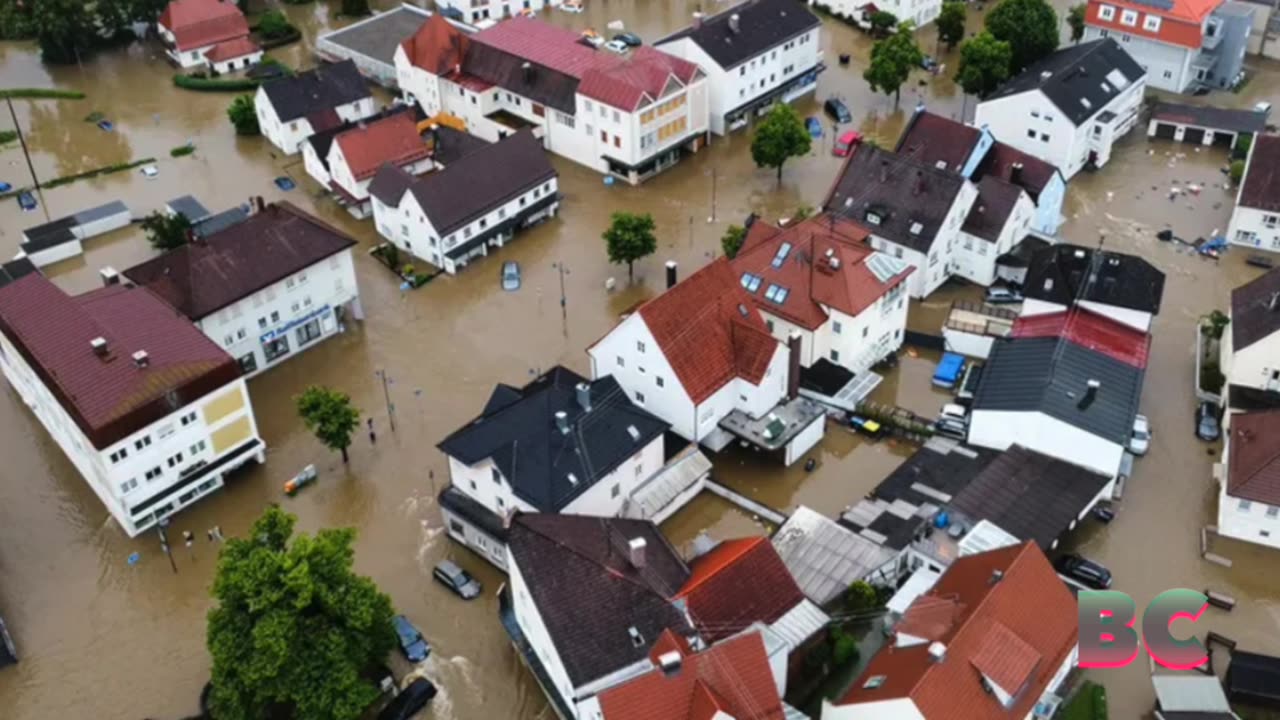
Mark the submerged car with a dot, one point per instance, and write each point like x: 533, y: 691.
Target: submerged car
x: 838, y: 111
x: 814, y: 126
x: 1140, y: 440
x: 1084, y: 571
x: 1207, y: 427
x: 412, y: 644
x: 1003, y: 296
x: 410, y: 700
x: 844, y: 144
x: 456, y: 579
x: 616, y: 46
x: 510, y: 275
x: 629, y: 38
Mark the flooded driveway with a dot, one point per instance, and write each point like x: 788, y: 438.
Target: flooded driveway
x: 100, y: 638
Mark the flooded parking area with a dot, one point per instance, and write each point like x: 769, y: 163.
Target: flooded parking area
x: 101, y: 638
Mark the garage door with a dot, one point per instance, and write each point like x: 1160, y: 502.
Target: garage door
x: 1165, y: 130
x: 1194, y: 136
x: 1223, y: 140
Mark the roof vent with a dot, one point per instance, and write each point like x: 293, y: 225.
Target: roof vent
x: 735, y: 24
x: 996, y: 576
x: 742, y: 310
x: 634, y: 433
x: 636, y: 638
x: 109, y: 276
x: 1045, y: 74
x: 1048, y: 284
x: 937, y: 651
x: 562, y: 422
x: 835, y: 263
x: 573, y: 480
x: 635, y: 548
x: 1079, y: 253
x: 583, y: 392
x: 670, y: 662
x: 141, y: 359
x: 1090, y: 394
x: 99, y: 345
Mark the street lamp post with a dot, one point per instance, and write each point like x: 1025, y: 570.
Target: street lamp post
x: 164, y: 543
x: 22, y: 139
x: 386, y: 396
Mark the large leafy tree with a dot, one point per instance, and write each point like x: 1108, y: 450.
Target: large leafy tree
x: 1075, y: 19
x: 950, y: 23
x: 330, y: 415
x: 294, y: 626
x: 882, y: 21
x: 65, y: 32
x: 629, y: 238
x: 166, y: 232
x: 1029, y: 26
x: 984, y: 64
x: 243, y: 114
x: 779, y: 137
x: 892, y: 60
x: 731, y: 241
x: 273, y: 24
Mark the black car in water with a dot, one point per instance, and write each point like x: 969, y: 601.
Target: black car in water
x: 1084, y: 571
x: 838, y: 111
x: 410, y: 700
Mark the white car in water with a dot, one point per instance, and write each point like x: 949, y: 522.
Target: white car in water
x: 1140, y: 440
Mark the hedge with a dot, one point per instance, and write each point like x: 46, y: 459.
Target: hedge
x: 42, y: 94
x: 190, y: 82
x: 182, y: 150
x: 104, y: 170
x: 272, y: 43
x: 8, y: 136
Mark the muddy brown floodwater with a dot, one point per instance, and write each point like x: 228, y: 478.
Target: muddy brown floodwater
x: 102, y: 639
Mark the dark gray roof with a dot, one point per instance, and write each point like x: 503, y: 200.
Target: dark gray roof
x: 1075, y: 78
x: 450, y: 145
x: 1253, y: 678
x: 218, y: 222
x: 189, y: 207
x: 15, y: 270
x: 1247, y: 121
x: 462, y: 504
x: 1255, y: 310
x: 1021, y: 254
x: 762, y: 24
x: 500, y: 68
x: 50, y: 234
x: 389, y: 184
x: 1050, y: 375
x: 992, y: 208
x: 1065, y: 274
x: 322, y: 88
x: 478, y: 182
x: 379, y: 36
x: 588, y: 592
x: 902, y: 192
x: 547, y: 468
x: 1029, y: 495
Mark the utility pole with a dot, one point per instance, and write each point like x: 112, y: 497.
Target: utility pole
x: 164, y: 544
x: 22, y: 139
x: 564, y: 305
x: 386, y: 396
x: 714, y: 175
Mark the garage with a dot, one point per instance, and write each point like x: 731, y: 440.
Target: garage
x: 1193, y: 135
x: 1164, y: 131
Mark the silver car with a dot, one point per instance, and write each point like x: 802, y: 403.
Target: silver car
x: 1140, y: 440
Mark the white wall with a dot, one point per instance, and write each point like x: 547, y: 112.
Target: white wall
x: 1168, y: 66
x: 1256, y: 366
x: 1252, y: 227
x: 967, y: 343
x: 315, y: 166
x: 998, y: 429
x: 1253, y: 522
x: 921, y: 12
x: 498, y: 9
x: 241, y: 327
x: 535, y: 630
x: 932, y: 270
x: 975, y: 258
x: 1135, y: 319
x: 238, y: 63
x: 859, y: 342
x: 804, y: 441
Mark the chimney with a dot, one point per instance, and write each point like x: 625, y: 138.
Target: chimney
x: 697, y: 19
x: 735, y: 24
x: 918, y: 186
x: 671, y: 274
x: 1045, y: 75
x: 258, y: 203
x: 793, y: 366
x: 141, y: 359
x: 937, y: 651
x: 1090, y: 394
x: 109, y: 276
x: 562, y: 422
x: 526, y: 71
x: 636, y: 547
x: 99, y: 345
x: 670, y: 663
x: 583, y: 392
x: 884, y: 171
x: 1015, y: 173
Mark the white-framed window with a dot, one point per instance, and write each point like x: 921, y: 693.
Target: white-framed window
x: 639, y: 397
x: 640, y: 346
x: 1128, y: 17
x: 1151, y: 23
x: 658, y: 379
x: 153, y: 473
x: 1106, y: 12
x: 1244, y: 506
x: 621, y: 362
x: 1271, y: 220
x: 836, y: 327
x: 128, y: 485
x: 142, y: 442
x: 1273, y: 511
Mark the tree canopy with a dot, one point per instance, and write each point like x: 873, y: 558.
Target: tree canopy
x: 984, y: 64
x: 892, y: 60
x: 1029, y: 26
x: 731, y: 241
x: 166, y: 232
x: 330, y: 415
x: 882, y: 21
x: 294, y: 626
x: 951, y: 22
x: 779, y: 137
x: 243, y: 114
x: 65, y: 32
x: 629, y: 238
x: 1075, y: 19
x: 273, y: 25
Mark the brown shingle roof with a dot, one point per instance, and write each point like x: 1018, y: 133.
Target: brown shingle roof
x: 932, y: 139
x: 1261, y: 187
x: 1253, y: 468
x: 110, y: 397
x: 1252, y: 316
x: 203, y: 277
x: 392, y: 139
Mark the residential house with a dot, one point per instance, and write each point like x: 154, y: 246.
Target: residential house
x: 919, y: 12
x: 978, y: 156
x: 1181, y: 44
x: 291, y: 109
x: 474, y: 12
x: 150, y: 412
x: 1249, y: 477
x: 1066, y: 385
x: 630, y: 116
x: 1123, y: 287
x: 1070, y: 107
x: 994, y: 638
x: 454, y: 216
x: 700, y: 357
x: 825, y: 557
x: 913, y: 210
x: 352, y: 157
x: 209, y: 34
x: 819, y: 279
x: 263, y: 289
x: 1255, y: 221
x: 560, y: 444
x: 1250, y: 348
x: 755, y: 54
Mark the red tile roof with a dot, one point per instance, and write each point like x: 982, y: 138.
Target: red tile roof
x: 392, y: 140
x: 850, y: 288
x: 738, y: 583
x: 1253, y: 463
x: 231, y: 49
x: 710, y: 332
x: 732, y: 677
x: 110, y: 397
x: 1005, y: 659
x: 1028, y: 602
x: 437, y: 46
x: 197, y: 23
x: 1180, y: 25
x: 1089, y: 330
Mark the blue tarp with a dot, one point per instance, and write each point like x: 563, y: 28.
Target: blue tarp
x: 949, y: 370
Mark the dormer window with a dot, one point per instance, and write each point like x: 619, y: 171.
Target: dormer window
x: 874, y: 682
x: 873, y: 217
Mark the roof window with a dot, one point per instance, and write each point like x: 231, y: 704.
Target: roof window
x: 781, y: 255
x: 916, y: 228
x: 777, y: 294
x: 751, y: 282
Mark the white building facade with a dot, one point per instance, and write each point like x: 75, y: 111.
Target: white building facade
x: 920, y: 12
x: 1248, y: 509
x: 1255, y: 222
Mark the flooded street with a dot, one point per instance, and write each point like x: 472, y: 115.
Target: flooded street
x: 102, y: 639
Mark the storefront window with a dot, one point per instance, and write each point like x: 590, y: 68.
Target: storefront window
x: 276, y: 348
x: 308, y: 332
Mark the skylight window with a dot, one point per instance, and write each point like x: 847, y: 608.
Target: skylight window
x: 873, y: 218
x: 751, y: 282
x: 777, y: 294
x: 782, y: 254
x: 1105, y: 87
x: 874, y: 682
x: 1117, y: 80
x: 1085, y: 102
x: 916, y: 228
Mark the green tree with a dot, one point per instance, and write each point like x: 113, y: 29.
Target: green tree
x: 65, y: 32
x: 630, y: 238
x: 1237, y: 171
x: 779, y: 137
x: 166, y: 232
x: 951, y: 22
x: 844, y: 648
x: 861, y: 597
x: 273, y: 24
x: 330, y: 415
x: 1029, y: 26
x: 882, y: 21
x: 731, y: 241
x: 355, y: 8
x: 294, y: 625
x: 984, y: 64
x: 244, y: 115
x: 1075, y: 20
x: 892, y: 60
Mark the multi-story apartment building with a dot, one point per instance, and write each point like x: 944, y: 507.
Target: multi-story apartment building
x: 150, y: 412
x: 630, y: 116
